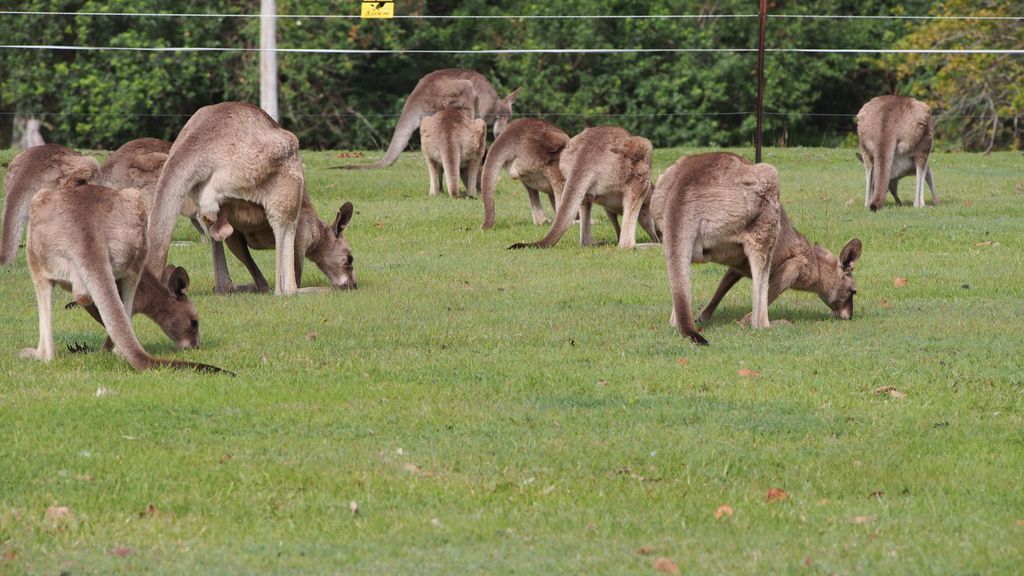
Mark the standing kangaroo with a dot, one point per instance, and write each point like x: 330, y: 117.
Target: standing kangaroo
x: 719, y: 207
x: 232, y: 151
x: 530, y: 149
x: 314, y: 239
x: 607, y: 166
x: 449, y: 88
x: 454, y: 142
x: 163, y: 299
x: 91, y: 241
x: 895, y: 139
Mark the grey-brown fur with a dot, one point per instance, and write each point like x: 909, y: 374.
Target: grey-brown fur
x: 91, y: 241
x: 605, y: 165
x: 232, y: 151
x: 137, y: 164
x: 441, y: 89
x: 164, y: 300
x: 323, y: 244
x: 896, y: 135
x: 453, y: 143
x: 720, y: 208
x: 530, y: 149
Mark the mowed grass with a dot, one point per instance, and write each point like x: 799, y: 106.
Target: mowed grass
x: 493, y: 412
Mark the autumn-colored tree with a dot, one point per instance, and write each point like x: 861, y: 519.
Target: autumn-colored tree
x: 980, y: 97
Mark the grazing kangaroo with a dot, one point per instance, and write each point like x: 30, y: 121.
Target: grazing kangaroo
x: 164, y: 299
x: 719, y: 207
x: 530, y: 149
x: 91, y: 241
x: 137, y: 164
x: 607, y: 166
x: 895, y: 139
x: 232, y: 151
x: 453, y: 142
x: 449, y: 88
x: 314, y: 239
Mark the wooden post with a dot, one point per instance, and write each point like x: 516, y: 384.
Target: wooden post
x: 760, y: 82
x: 268, y: 57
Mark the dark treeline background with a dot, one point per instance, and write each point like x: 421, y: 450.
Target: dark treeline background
x: 100, y: 99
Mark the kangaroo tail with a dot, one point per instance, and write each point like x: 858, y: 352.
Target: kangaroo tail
x: 450, y: 161
x: 408, y: 123
x: 678, y: 258
x: 499, y: 155
x: 884, y: 153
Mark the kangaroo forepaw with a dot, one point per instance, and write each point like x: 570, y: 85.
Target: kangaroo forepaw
x: 76, y: 348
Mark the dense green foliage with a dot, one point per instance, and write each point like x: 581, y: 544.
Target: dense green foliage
x: 103, y: 98
x: 530, y: 412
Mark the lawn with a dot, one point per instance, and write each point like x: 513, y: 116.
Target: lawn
x: 471, y: 409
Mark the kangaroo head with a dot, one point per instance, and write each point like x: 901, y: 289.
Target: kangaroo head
x: 333, y: 255
x: 504, y: 112
x: 178, y: 317
x: 836, y: 286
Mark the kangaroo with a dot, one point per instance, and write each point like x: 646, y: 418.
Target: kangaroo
x: 137, y: 164
x: 607, y: 166
x: 895, y: 139
x: 314, y: 239
x: 719, y: 207
x: 530, y: 149
x: 232, y: 151
x: 91, y: 241
x: 164, y: 299
x: 448, y: 88
x: 454, y: 142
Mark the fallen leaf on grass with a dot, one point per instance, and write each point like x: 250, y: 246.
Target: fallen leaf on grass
x: 683, y: 361
x: 10, y: 555
x: 723, y: 510
x: 986, y: 243
x: 850, y: 202
x: 311, y: 335
x: 225, y: 458
x: 101, y: 392
x: 645, y: 550
x: 149, y: 511
x: 411, y: 468
x: 775, y: 495
x: 863, y: 519
x: 350, y: 154
x: 900, y: 282
x: 379, y: 225
x: 55, y: 513
x: 353, y: 507
x: 1020, y: 522
x: 662, y: 564
x: 968, y: 203
x: 122, y: 551
x: 747, y: 373
x: 436, y: 523
x: 891, y: 391
x: 876, y: 494
x: 885, y: 303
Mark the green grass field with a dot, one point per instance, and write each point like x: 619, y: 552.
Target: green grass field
x: 531, y: 412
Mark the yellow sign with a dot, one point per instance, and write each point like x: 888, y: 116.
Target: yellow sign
x: 378, y: 9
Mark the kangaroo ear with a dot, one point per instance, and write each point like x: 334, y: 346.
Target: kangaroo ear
x: 850, y: 254
x: 177, y: 281
x: 511, y: 98
x: 344, y: 216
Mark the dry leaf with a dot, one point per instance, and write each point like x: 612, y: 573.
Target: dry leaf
x: 379, y: 225
x: 900, y: 282
x: 122, y: 551
x: 602, y: 382
x: 775, y: 495
x: 436, y: 523
x: 149, y: 511
x: 645, y: 550
x: 55, y: 513
x: 311, y: 335
x: 876, y: 494
x: 747, y: 373
x: 683, y: 361
x: 411, y: 468
x: 1020, y: 522
x: 353, y: 507
x: 863, y: 519
x: 850, y: 202
x: 225, y: 458
x: 968, y: 203
x: 885, y: 303
x: 662, y: 564
x: 723, y: 510
x: 891, y: 391
x: 10, y: 555
x: 988, y: 243
x: 350, y: 154
x: 101, y: 392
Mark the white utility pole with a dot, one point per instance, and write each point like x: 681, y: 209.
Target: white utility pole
x: 268, y: 57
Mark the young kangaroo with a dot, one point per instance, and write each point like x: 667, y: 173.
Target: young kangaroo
x: 449, y: 88
x: 91, y: 241
x: 895, y: 139
x: 232, y: 151
x: 530, y: 149
x: 607, y: 166
x: 325, y: 245
x: 164, y: 299
x: 719, y: 207
x: 453, y: 141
